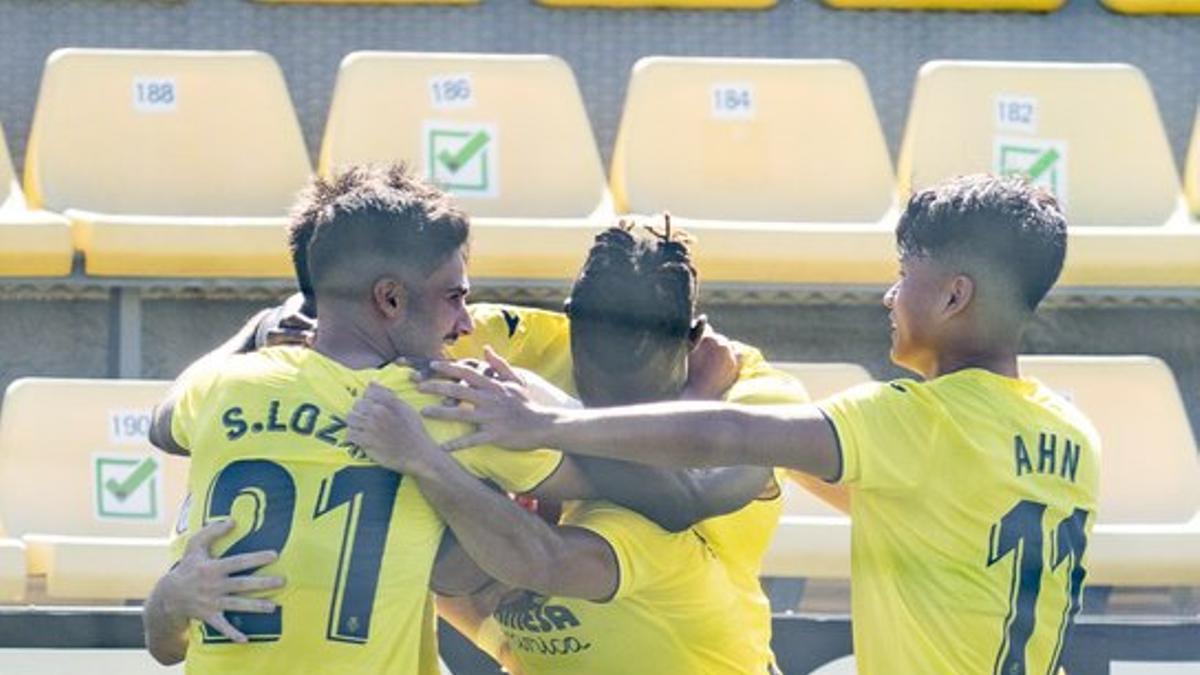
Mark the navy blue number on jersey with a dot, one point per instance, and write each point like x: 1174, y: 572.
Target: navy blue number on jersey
x: 367, y: 492
x: 1019, y: 533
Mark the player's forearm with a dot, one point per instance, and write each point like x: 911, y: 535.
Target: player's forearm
x: 511, y: 545
x: 683, y: 433
x: 675, y: 498
x: 165, y: 633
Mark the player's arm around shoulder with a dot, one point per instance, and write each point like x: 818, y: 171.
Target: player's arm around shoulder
x: 510, y: 544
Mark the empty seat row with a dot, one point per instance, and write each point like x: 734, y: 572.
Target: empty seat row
x: 89, y: 505
x: 1147, y: 531
x: 184, y: 163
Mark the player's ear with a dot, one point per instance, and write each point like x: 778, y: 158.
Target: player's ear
x: 389, y: 297
x: 959, y: 292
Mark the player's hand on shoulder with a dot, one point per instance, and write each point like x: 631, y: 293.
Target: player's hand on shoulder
x: 286, y: 324
x: 203, y: 588
x: 503, y: 410
x: 713, y: 364
x: 390, y: 432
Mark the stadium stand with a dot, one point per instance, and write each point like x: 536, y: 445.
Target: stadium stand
x: 778, y: 166
x: 813, y: 539
x: 1148, y: 532
x: 1090, y: 133
x: 663, y: 4
x: 92, y: 501
x: 168, y: 163
x: 1192, y: 169
x: 1153, y: 6
x: 32, y: 243
x: 955, y: 5
x: 82, y: 662
x: 508, y: 135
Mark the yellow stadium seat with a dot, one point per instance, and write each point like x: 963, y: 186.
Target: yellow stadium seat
x: 507, y: 135
x: 1153, y: 6
x: 813, y: 539
x: 82, y: 662
x: 1148, y: 531
x: 1193, y: 170
x: 91, y: 499
x: 778, y: 167
x: 1090, y: 133
x: 663, y: 4
x: 168, y: 163
x: 32, y: 243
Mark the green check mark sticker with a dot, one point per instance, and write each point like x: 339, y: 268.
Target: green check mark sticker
x: 122, y: 489
x: 463, y: 158
x: 455, y: 161
x: 1043, y: 162
x: 127, y: 486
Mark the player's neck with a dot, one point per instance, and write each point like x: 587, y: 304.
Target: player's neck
x: 351, y: 346
x: 1001, y: 361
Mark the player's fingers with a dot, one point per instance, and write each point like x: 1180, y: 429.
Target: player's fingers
x: 222, y: 626
x: 246, y: 561
x: 234, y: 603
x: 454, y: 390
x: 469, y: 375
x: 451, y: 413
x: 507, y: 372
x: 251, y: 582
x: 468, y: 441
x: 214, y: 530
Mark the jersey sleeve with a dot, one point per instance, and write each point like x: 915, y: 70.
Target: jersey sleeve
x: 513, y: 471
x: 885, y: 431
x: 186, y: 413
x: 646, y: 554
x: 760, y: 384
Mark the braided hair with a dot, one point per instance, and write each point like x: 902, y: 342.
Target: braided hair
x: 631, y: 310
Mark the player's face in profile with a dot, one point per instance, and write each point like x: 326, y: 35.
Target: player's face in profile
x: 913, y: 302
x: 437, y: 311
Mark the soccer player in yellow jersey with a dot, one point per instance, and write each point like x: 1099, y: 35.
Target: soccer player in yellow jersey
x: 973, y: 490
x: 608, y: 584
x: 266, y: 435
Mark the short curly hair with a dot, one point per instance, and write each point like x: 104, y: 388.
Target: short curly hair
x: 1002, y: 222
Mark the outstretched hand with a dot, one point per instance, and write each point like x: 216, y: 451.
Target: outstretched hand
x: 502, y: 409
x: 390, y: 432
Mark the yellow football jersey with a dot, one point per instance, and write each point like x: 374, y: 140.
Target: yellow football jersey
x: 973, y: 496
x: 674, y: 611
x: 356, y: 542
x: 740, y: 539
x: 534, y: 339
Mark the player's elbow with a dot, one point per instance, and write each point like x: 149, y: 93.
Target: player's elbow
x: 166, y: 652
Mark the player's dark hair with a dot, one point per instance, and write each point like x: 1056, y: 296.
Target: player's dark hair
x: 368, y: 218
x: 1003, y: 223
x: 632, y: 304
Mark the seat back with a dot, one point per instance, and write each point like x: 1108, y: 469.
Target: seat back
x: 1075, y: 129
x: 74, y: 460
x: 508, y: 135
x: 751, y: 139
x: 167, y: 133
x: 1149, y: 468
